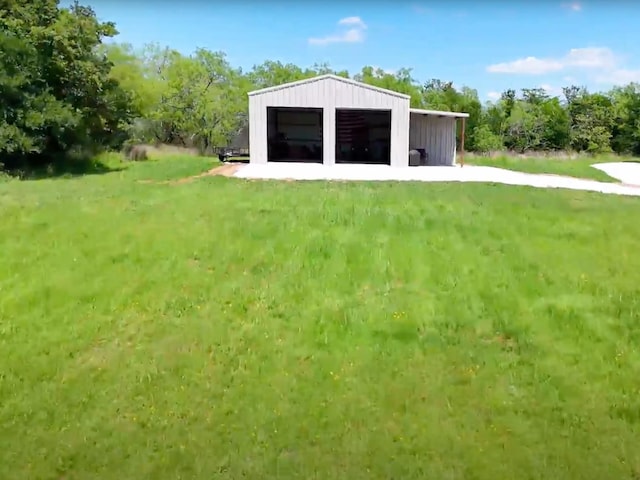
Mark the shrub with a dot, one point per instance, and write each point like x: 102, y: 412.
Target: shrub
x: 136, y: 153
x: 485, y: 140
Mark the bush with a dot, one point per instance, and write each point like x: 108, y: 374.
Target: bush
x: 485, y: 140
x: 136, y: 153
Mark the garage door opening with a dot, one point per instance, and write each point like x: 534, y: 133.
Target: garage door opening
x: 294, y: 134
x: 363, y: 136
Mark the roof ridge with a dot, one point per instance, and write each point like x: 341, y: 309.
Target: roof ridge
x: 327, y: 76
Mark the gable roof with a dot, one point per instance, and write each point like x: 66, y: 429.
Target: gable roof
x: 320, y: 78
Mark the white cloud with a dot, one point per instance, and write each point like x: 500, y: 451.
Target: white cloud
x: 600, y: 64
x: 573, y: 6
x: 352, y: 35
x: 355, y: 22
x: 585, y: 58
x: 527, y: 66
x: 591, y: 57
x: 355, y: 34
x: 620, y: 76
x: 493, y: 95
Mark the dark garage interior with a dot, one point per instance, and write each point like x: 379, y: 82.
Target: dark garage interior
x: 363, y: 136
x: 294, y: 134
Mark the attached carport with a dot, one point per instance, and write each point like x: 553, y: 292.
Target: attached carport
x: 432, y: 133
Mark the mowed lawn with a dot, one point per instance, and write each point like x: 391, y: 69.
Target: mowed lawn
x: 580, y: 167
x: 225, y: 329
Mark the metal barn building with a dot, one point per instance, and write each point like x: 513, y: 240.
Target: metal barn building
x: 329, y: 119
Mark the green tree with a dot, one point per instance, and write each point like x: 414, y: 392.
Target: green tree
x: 56, y: 93
x: 626, y: 130
x: 485, y: 140
x: 134, y: 76
x: 441, y: 95
x: 556, y: 124
x: 592, y: 120
x: 203, y: 101
x: 324, y: 69
x: 494, y: 116
x: 535, y: 121
x: 534, y: 96
x: 270, y: 73
x: 400, y: 81
x: 524, y: 127
x: 508, y: 100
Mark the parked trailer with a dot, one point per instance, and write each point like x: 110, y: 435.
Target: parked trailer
x: 238, y: 147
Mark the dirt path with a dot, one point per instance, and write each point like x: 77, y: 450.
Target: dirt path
x: 226, y: 170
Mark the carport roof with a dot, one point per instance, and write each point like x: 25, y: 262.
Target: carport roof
x: 438, y: 113
x: 326, y: 77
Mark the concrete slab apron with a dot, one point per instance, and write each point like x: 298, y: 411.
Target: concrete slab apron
x: 627, y: 172
x: 304, y: 171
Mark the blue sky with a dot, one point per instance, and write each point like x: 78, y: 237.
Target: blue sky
x: 489, y: 46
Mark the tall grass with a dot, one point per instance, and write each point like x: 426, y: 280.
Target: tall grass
x: 236, y: 329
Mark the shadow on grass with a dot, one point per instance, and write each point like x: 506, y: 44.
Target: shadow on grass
x: 63, y: 169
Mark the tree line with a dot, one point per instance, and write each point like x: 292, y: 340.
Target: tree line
x: 63, y: 89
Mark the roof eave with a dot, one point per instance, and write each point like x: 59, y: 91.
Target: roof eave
x: 439, y: 113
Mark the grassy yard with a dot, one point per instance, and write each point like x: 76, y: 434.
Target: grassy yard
x: 225, y: 329
x: 572, y: 167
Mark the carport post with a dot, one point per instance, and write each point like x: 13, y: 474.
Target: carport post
x: 462, y: 144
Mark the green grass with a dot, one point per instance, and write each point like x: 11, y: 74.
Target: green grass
x: 572, y: 167
x: 225, y: 329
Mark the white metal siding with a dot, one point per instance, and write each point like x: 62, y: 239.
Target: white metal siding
x: 329, y: 94
x: 437, y: 135
x: 257, y: 131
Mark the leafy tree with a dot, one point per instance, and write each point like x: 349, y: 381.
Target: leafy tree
x: 592, y: 120
x: 626, y: 129
x: 556, y: 124
x: 508, y: 100
x: 485, y: 140
x: 56, y: 93
x: 494, y: 116
x: 400, y: 81
x: 324, y: 69
x: 203, y: 102
x: 572, y: 93
x: 134, y: 76
x: 535, y: 121
x: 441, y: 95
x: 271, y: 73
x: 524, y: 128
x: 535, y: 96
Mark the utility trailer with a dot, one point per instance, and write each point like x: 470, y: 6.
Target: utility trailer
x: 238, y: 146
